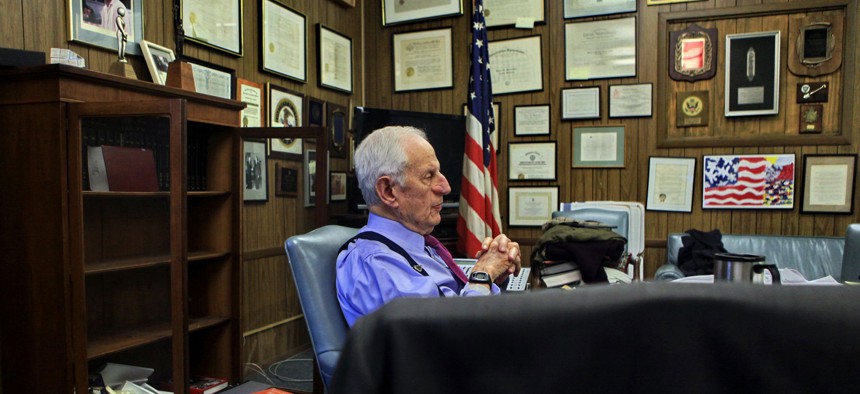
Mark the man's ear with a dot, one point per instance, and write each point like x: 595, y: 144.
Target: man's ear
x: 385, y: 191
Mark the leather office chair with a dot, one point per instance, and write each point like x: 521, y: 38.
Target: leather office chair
x: 851, y: 255
x: 312, y: 259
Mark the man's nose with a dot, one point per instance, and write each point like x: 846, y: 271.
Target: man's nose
x: 443, y: 187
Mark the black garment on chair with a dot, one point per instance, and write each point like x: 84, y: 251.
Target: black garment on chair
x: 696, y: 257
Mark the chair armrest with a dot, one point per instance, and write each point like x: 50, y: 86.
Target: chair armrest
x: 668, y: 272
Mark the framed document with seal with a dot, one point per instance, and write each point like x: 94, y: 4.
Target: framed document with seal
x: 285, y: 110
x: 630, y: 101
x: 693, y: 108
x: 599, y: 49
x: 580, y: 103
x: 531, y: 161
x: 828, y: 183
x: 598, y: 146
x: 517, y: 65
x: 334, y: 59
x: 513, y: 12
x: 531, y: 206
x: 670, y: 183
x: 283, y: 50
x: 752, y: 74
x: 214, y: 23
x: 531, y: 120
x: 423, y: 60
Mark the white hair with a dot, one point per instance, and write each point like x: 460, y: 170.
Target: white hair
x: 381, y: 153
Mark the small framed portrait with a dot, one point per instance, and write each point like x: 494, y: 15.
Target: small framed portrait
x: 286, y: 181
x: 337, y: 186
x: 157, y: 58
x: 255, y: 185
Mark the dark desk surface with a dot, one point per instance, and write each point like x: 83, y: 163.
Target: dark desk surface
x: 646, y: 338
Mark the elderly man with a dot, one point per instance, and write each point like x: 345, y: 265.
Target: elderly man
x: 394, y: 255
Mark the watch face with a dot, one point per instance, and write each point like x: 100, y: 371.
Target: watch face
x: 480, y: 277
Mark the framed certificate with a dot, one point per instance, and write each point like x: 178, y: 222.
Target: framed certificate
x: 630, y: 101
x: 531, y: 206
x: 402, y: 11
x: 583, y: 8
x: 214, y: 23
x: 599, y: 49
x: 829, y: 182
x: 531, y: 120
x: 284, y: 41
x: 531, y: 161
x: 752, y: 74
x: 658, y: 2
x: 250, y: 93
x: 580, y: 103
x: 598, y: 146
x: 212, y: 79
x: 334, y: 59
x: 285, y: 110
x: 670, y: 184
x: 423, y: 60
x: 499, y: 13
x: 517, y: 65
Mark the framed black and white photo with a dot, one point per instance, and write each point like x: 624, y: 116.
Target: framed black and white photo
x: 580, y: 103
x: 157, y: 59
x: 337, y: 186
x: 600, y: 49
x: 284, y: 41
x: 214, y: 23
x: 531, y: 206
x: 670, y: 184
x: 752, y: 74
x: 254, y: 166
x: 212, y: 79
x: 517, y: 65
x: 399, y: 11
x: 581, y: 9
x: 829, y: 182
x: 334, y: 59
x: 310, y: 165
x: 423, y: 60
x: 630, y: 101
x: 285, y: 110
x: 532, y: 161
x: 518, y: 13
x: 531, y: 120
x: 598, y: 146
x: 95, y: 23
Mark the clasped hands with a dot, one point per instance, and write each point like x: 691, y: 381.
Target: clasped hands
x: 499, y: 257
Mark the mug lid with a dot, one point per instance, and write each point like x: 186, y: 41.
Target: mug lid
x: 740, y: 257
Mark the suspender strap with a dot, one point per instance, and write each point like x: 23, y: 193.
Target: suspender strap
x: 374, y: 236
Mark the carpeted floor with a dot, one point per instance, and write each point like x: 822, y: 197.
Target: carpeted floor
x: 292, y: 374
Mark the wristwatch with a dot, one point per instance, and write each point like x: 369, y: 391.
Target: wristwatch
x: 481, y: 277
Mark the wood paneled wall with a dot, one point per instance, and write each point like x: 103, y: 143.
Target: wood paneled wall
x: 629, y: 183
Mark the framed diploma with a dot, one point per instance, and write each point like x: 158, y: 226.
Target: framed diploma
x: 692, y: 53
x: 334, y: 59
x: 499, y: 13
x: 337, y: 129
x: 284, y: 42
x: 214, y: 23
x: 598, y: 146
x: 285, y: 110
x: 829, y: 182
x: 517, y: 65
x: 599, y: 49
x: 531, y: 161
x: 250, y: 93
x: 752, y: 74
x: 402, y: 11
x: 531, y: 120
x: 531, y: 206
x: 157, y: 58
x: 580, y: 103
x: 88, y: 26
x: 212, y: 79
x: 423, y: 60
x: 256, y: 185
x: 630, y: 101
x: 762, y: 181
x: 583, y: 8
x: 670, y: 184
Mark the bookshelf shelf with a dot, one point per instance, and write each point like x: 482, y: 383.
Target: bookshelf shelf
x: 129, y: 339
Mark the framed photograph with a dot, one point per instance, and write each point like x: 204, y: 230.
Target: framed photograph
x: 497, y: 121
x: 334, y: 59
x: 94, y: 22
x: 283, y: 41
x: 337, y: 120
x: 310, y: 165
x: 583, y: 8
x: 250, y: 93
x: 517, y: 65
x: 286, y: 181
x: 670, y: 184
x: 598, y: 146
x: 530, y: 120
x: 214, y: 23
x: 693, y: 53
x: 764, y: 181
x: 402, y: 11
x: 423, y: 60
x: 531, y: 206
x: 752, y: 74
x: 256, y: 181
x: 829, y: 182
x: 285, y: 110
x: 212, y: 79
x: 580, y: 103
x: 157, y: 58
x: 519, y: 13
x: 315, y: 112
x: 532, y: 161
x: 337, y: 186
x: 630, y: 101
x: 599, y: 49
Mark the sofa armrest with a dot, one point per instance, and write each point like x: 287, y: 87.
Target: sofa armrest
x: 668, y: 272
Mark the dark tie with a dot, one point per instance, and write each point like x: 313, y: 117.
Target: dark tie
x: 443, y: 252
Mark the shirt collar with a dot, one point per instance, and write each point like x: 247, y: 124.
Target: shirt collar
x: 395, y: 231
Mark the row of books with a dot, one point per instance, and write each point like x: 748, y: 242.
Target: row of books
x: 557, y: 274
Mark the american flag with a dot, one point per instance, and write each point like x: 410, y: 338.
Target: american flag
x: 749, y: 181
x: 479, y: 209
